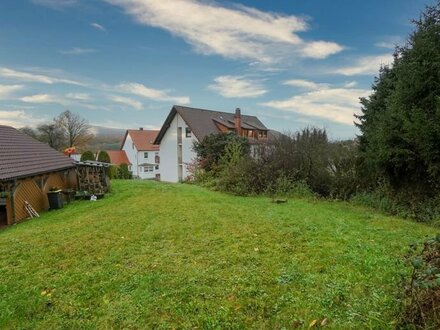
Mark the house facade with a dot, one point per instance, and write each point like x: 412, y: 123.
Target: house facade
x: 142, y: 154
x: 28, y: 169
x: 185, y: 125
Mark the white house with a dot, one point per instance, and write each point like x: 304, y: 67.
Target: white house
x: 142, y: 153
x: 185, y: 125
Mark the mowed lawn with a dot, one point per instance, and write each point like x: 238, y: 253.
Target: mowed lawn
x: 155, y: 255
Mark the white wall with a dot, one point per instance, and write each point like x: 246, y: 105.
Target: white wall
x: 132, y: 154
x: 150, y: 160
x: 169, y: 148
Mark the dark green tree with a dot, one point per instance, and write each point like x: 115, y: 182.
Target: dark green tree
x: 87, y: 155
x: 211, y: 149
x: 123, y: 172
x: 104, y: 157
x: 400, y: 121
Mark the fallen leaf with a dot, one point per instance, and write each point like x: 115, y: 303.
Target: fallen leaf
x: 256, y: 249
x: 324, y: 322
x: 313, y: 323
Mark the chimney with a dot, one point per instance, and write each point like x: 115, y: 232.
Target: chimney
x: 237, y: 121
x: 141, y: 128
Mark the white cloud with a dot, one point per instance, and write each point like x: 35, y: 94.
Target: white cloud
x: 98, y: 27
x: 305, y: 84
x: 127, y: 101
x: 151, y: 93
x: 43, y: 98
x: 321, y: 49
x: 7, y: 90
x: 34, y: 77
x: 336, y: 104
x: 237, y: 86
x: 55, y: 4
x: 78, y: 96
x: 389, y: 42
x: 367, y: 65
x: 77, y: 51
x: 19, y: 118
x: 237, y: 32
x: 350, y: 84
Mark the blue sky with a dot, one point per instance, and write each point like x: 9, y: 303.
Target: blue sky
x: 124, y: 63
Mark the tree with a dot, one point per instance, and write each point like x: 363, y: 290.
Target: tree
x: 210, y: 150
x: 104, y: 157
x: 87, y: 155
x: 52, y: 135
x: 400, y: 121
x: 75, y: 129
x: 29, y: 131
x: 123, y: 172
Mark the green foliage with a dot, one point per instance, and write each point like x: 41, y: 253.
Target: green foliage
x: 400, y: 123
x: 113, y: 172
x: 422, y: 287
x: 211, y: 149
x: 104, y: 157
x: 153, y: 255
x: 87, y: 155
x: 123, y: 172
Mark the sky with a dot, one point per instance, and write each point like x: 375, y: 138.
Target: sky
x: 125, y: 63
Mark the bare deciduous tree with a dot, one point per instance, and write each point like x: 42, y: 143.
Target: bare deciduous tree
x: 52, y: 135
x: 75, y: 128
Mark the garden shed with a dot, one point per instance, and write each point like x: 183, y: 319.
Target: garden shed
x: 28, y: 169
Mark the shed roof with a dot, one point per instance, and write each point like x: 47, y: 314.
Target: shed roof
x: 142, y: 139
x: 117, y: 157
x: 202, y: 121
x: 22, y: 156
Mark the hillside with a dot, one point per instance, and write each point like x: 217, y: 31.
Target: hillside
x: 155, y: 255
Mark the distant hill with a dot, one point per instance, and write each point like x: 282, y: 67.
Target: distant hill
x: 106, y: 138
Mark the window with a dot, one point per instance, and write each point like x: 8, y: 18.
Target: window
x: 146, y: 154
x: 148, y: 169
x: 157, y: 167
x: 250, y: 133
x: 187, y: 132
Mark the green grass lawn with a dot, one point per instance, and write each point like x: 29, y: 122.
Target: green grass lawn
x: 154, y: 255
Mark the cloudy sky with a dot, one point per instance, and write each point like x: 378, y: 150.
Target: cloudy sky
x: 124, y: 63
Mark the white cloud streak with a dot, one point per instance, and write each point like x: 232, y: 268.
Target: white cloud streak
x: 19, y: 118
x: 34, y: 77
x: 367, y: 65
x: 151, y: 93
x: 98, y: 26
x: 7, y: 91
x: 305, y: 84
x: 237, y: 32
x: 77, y: 51
x: 337, y: 104
x: 127, y: 101
x: 237, y: 87
x: 43, y: 98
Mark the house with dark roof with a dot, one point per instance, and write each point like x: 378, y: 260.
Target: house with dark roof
x: 141, y: 153
x: 28, y: 169
x: 185, y: 125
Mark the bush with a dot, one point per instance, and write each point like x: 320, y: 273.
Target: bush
x: 422, y: 287
x: 87, y: 155
x: 104, y: 157
x: 123, y: 172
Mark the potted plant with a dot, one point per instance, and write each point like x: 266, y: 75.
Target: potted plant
x: 55, y: 198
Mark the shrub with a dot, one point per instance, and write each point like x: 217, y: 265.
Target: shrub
x: 104, y: 157
x: 422, y: 287
x: 123, y: 172
x: 87, y: 155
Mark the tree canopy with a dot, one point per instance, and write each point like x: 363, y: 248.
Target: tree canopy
x: 400, y: 121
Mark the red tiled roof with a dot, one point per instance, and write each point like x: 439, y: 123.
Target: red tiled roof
x: 22, y: 156
x: 143, y: 139
x: 117, y: 157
